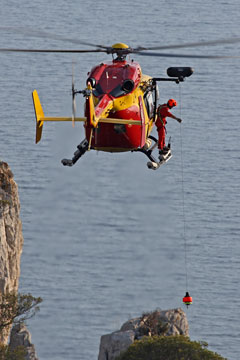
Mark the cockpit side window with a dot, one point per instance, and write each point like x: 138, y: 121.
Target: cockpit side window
x: 149, y: 102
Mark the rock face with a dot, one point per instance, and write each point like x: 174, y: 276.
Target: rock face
x: 168, y: 322
x: 112, y: 344
x: 20, y: 336
x: 11, y: 238
x: 11, y: 243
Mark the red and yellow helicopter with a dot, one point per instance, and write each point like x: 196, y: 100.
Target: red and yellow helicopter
x: 120, y: 101
x: 120, y: 107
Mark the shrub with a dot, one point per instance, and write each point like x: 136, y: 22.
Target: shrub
x: 15, y: 308
x: 7, y: 354
x: 168, y: 348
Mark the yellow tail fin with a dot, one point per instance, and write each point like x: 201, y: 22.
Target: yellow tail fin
x: 39, y: 115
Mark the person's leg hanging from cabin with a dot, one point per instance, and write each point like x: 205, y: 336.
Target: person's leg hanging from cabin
x: 161, y: 138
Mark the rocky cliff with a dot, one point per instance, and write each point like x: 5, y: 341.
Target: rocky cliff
x: 167, y: 322
x: 11, y: 243
x: 11, y: 238
x: 20, y: 336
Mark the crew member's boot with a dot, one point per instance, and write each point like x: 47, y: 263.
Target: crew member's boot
x: 164, y: 153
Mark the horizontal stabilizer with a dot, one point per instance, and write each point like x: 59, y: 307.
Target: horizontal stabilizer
x: 101, y: 120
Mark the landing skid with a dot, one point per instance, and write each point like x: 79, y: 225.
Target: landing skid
x: 81, y: 149
x: 154, y: 164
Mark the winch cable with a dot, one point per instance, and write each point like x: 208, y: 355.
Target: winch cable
x: 183, y: 196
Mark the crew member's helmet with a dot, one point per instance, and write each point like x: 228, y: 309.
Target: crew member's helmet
x: 171, y: 103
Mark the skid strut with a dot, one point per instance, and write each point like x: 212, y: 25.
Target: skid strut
x: 154, y: 164
x: 148, y: 152
x: 81, y: 149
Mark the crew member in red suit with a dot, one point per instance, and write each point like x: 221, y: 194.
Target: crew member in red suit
x: 162, y: 113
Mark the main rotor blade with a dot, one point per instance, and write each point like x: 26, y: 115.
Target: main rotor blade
x: 51, y: 50
x: 193, y: 44
x: 142, y: 53
x: 46, y: 35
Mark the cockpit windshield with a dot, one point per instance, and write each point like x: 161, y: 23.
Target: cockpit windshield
x: 113, y: 81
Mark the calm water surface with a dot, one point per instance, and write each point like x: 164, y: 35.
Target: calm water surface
x: 104, y: 239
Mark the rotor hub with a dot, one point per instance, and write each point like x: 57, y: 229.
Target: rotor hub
x: 121, y: 49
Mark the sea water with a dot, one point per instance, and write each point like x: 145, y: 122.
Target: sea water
x: 106, y: 240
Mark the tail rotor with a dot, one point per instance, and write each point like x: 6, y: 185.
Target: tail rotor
x: 73, y: 98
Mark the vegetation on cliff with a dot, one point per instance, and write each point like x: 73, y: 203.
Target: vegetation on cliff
x: 15, y: 308
x: 8, y: 354
x: 168, y: 348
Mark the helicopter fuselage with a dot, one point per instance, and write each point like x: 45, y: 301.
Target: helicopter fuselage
x: 119, y: 91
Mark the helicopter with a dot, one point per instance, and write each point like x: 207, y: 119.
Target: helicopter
x: 120, y: 101
x: 120, y: 108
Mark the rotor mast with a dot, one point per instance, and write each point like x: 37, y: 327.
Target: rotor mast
x: 121, y: 50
